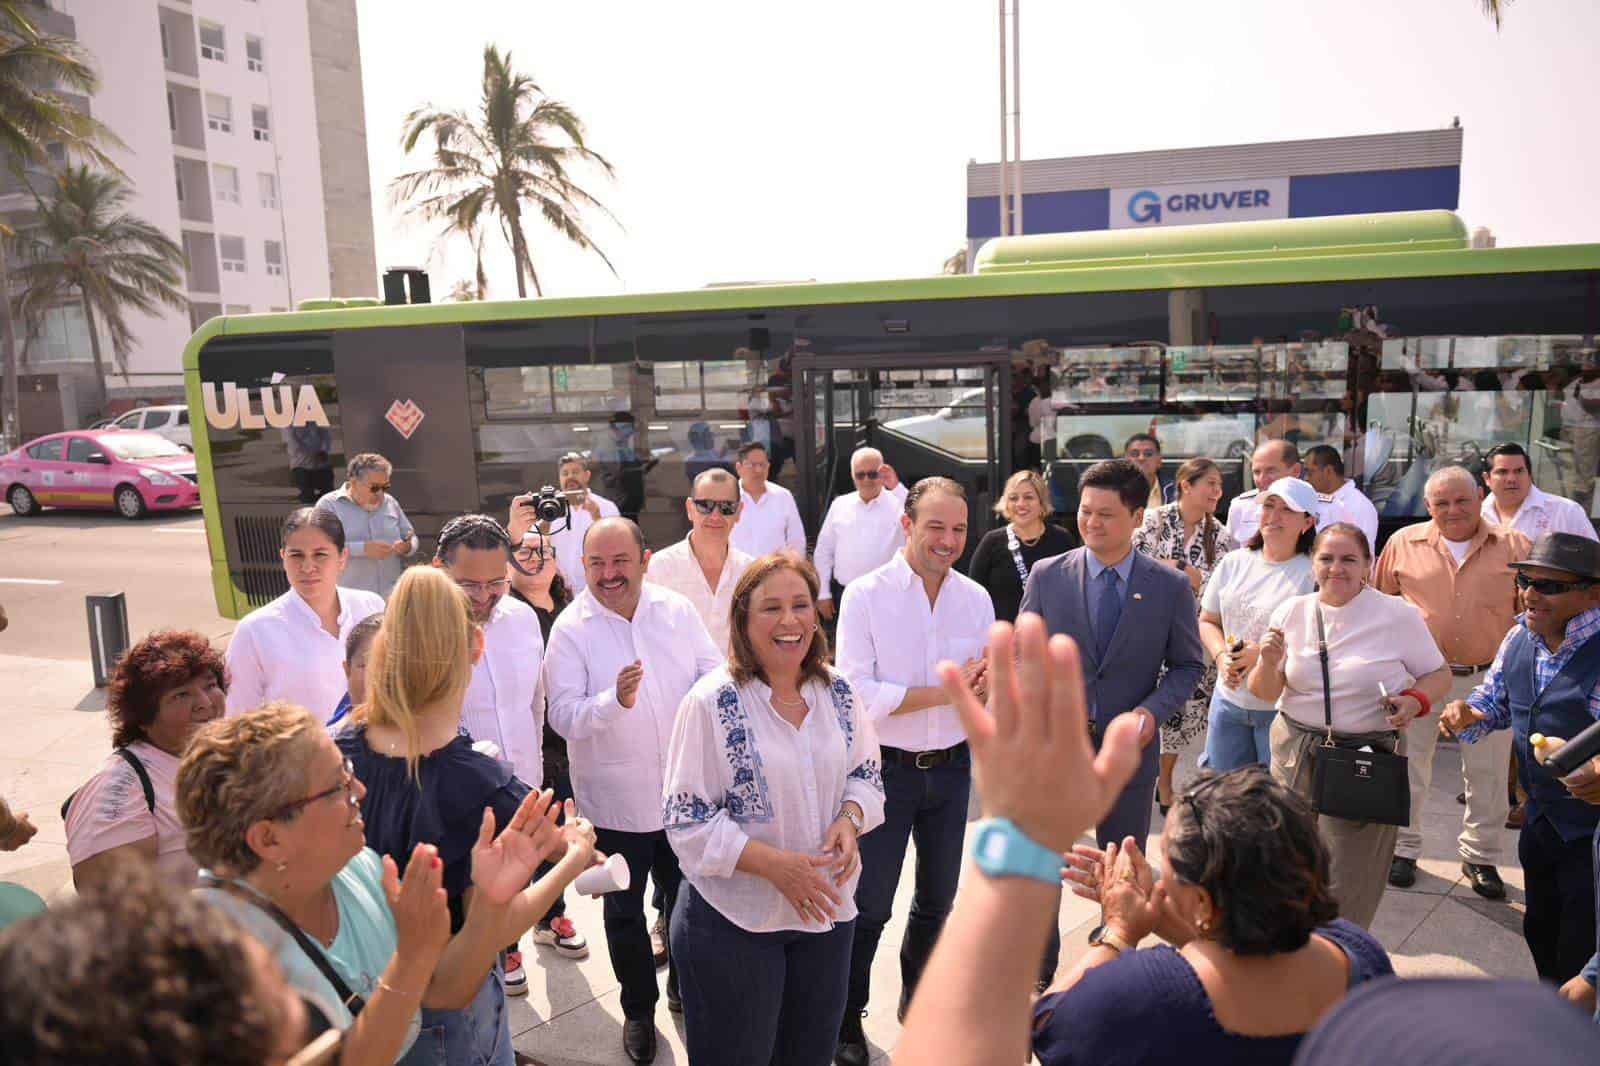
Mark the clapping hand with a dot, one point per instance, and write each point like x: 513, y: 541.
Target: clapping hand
x: 628, y: 679
x: 503, y: 865
x: 1034, y: 734
x: 419, y: 904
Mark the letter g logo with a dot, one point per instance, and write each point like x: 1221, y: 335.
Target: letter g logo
x: 1144, y: 206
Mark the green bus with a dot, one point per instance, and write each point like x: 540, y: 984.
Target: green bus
x: 1387, y: 336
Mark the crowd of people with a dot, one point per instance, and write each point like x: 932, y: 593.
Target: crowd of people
x: 364, y: 809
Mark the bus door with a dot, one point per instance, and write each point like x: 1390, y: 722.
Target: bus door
x: 944, y: 415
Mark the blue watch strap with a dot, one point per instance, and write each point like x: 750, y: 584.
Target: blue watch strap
x: 1001, y: 849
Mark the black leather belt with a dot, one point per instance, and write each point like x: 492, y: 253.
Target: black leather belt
x: 1467, y: 671
x: 923, y: 760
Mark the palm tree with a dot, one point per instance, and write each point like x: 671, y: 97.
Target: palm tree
x: 86, y: 244
x: 1495, y: 9
x: 33, y: 116
x: 512, y: 158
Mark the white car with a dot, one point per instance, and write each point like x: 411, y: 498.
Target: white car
x: 170, y: 421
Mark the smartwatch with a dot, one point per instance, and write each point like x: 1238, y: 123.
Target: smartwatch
x: 1001, y: 849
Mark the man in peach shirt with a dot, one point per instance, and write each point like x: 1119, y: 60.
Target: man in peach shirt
x: 1455, y: 569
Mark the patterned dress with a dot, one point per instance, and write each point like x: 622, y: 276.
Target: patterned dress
x: 1161, y: 538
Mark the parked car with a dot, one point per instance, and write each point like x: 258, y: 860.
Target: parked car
x: 170, y: 421
x: 132, y: 472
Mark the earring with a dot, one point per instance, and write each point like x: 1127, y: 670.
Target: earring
x: 280, y: 866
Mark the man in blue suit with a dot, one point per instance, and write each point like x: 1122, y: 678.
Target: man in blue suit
x: 1136, y: 626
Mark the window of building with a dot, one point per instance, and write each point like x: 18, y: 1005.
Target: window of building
x: 226, y: 179
x: 166, y: 44
x: 177, y: 171
x: 273, y: 255
x: 254, y: 58
x: 260, y: 123
x: 219, y: 113
x: 172, y: 111
x: 236, y: 309
x: 231, y: 249
x: 268, y: 184
x: 213, y: 42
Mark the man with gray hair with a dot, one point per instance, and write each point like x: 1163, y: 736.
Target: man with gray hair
x: 861, y: 532
x: 377, y: 532
x: 704, y: 566
x: 1271, y: 460
x: 1457, y: 569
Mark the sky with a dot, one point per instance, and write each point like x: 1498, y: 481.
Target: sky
x: 829, y: 140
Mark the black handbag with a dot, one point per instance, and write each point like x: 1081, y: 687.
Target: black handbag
x: 1361, y: 786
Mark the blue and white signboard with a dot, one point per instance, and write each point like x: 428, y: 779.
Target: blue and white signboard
x: 1209, y: 201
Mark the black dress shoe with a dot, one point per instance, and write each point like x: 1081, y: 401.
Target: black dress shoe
x: 1485, y: 880
x: 639, y: 1039
x: 852, y: 1048
x: 1402, y: 872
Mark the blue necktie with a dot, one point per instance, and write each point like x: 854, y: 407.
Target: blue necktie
x: 1107, y: 612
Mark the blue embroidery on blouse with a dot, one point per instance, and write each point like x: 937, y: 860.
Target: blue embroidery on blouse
x: 870, y: 772
x: 746, y: 799
x: 844, y: 702
x: 685, y: 808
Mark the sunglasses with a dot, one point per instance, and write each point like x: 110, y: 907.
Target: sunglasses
x: 866, y: 475
x: 1551, y: 587
x: 346, y: 785
x: 382, y: 486
x: 727, y: 507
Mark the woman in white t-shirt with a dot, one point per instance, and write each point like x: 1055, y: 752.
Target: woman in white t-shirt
x: 1245, y: 588
x: 1376, y: 643
x: 164, y: 688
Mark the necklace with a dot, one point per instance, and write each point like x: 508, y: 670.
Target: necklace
x: 1026, y: 541
x: 788, y: 701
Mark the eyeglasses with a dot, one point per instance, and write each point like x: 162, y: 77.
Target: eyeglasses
x: 379, y: 487
x: 528, y: 555
x: 346, y: 785
x: 479, y: 588
x: 1551, y: 587
x: 727, y: 507
x: 865, y: 475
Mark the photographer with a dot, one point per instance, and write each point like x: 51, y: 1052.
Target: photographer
x: 585, y: 508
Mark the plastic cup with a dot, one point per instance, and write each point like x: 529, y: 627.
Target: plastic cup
x: 610, y: 876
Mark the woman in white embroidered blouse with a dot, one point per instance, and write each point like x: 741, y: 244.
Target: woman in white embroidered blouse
x: 772, y: 773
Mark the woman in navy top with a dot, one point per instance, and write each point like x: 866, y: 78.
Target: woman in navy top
x: 1255, y: 952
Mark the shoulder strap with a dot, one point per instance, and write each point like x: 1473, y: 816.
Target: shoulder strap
x: 1327, y: 691
x: 353, y: 1003
x: 144, y: 777
x: 1014, y: 543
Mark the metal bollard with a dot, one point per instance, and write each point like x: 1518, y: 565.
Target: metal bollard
x: 108, y: 634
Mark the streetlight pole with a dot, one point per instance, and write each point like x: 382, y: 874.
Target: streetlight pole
x: 1016, y: 115
x: 1005, y: 184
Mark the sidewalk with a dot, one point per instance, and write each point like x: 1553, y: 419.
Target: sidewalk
x: 55, y: 737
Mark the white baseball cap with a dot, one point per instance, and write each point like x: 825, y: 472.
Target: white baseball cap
x: 1298, y: 494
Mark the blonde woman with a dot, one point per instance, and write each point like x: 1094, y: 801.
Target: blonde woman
x: 272, y: 812
x: 1002, y: 559
x: 1186, y: 536
x: 425, y: 784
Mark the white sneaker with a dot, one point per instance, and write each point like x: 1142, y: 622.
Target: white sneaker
x: 561, y: 934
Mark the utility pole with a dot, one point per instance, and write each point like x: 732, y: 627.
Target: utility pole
x: 1005, y: 184
x: 1011, y: 109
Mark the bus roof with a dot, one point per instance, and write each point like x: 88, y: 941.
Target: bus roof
x: 1343, y: 248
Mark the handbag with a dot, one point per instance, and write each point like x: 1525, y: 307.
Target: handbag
x: 1358, y: 785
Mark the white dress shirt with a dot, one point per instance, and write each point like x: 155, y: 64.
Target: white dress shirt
x: 504, y: 703
x: 891, y: 640
x: 281, y: 652
x: 676, y: 568
x: 1244, y: 516
x: 569, y: 542
x: 1351, y: 505
x: 770, y: 523
x: 1543, y: 512
x: 619, y: 754
x: 737, y: 772
x: 857, y: 537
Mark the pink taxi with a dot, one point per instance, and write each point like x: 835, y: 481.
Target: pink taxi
x: 132, y: 472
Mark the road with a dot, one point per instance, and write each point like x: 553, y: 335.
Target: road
x: 48, y: 564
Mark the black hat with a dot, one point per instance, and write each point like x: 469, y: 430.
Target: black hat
x: 1448, y: 1021
x: 1565, y: 551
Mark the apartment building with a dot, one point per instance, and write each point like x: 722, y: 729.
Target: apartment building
x: 246, y: 142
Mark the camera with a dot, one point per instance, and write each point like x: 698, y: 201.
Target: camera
x: 550, y: 506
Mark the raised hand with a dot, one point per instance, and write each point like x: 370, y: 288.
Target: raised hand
x: 1273, y: 649
x: 419, y: 904
x: 1034, y: 734
x: 503, y: 865
x: 1129, y: 905
x: 628, y: 679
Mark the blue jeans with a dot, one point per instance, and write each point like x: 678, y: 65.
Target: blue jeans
x: 1237, y: 736
x: 930, y: 807
x: 757, y: 999
x: 476, y: 1035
